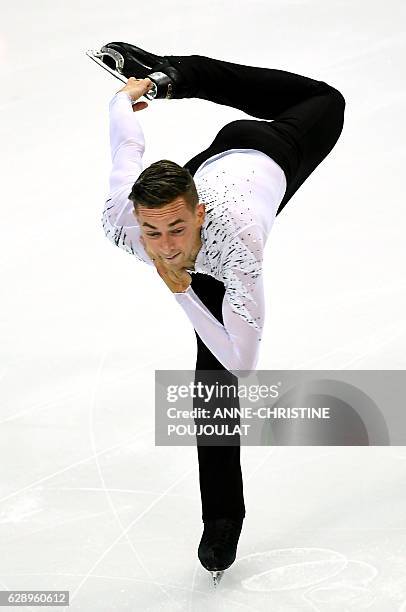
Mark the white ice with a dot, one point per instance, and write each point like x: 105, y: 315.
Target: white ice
x: 88, y: 503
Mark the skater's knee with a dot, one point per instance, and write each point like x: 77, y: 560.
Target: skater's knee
x: 336, y: 105
x: 340, y: 100
x: 334, y: 94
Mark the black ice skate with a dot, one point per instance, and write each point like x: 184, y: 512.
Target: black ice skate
x: 218, y: 545
x: 123, y: 60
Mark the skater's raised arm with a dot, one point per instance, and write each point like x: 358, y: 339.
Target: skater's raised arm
x: 127, y: 140
x: 127, y: 144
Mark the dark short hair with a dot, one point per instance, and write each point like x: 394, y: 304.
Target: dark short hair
x: 161, y: 183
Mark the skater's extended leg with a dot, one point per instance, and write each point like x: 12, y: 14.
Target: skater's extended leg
x: 260, y: 92
x: 302, y: 118
x: 307, y: 115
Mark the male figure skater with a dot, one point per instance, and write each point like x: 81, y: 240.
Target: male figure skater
x: 204, y: 225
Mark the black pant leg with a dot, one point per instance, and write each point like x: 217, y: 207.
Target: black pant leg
x: 264, y: 93
x: 220, y: 477
x: 307, y: 115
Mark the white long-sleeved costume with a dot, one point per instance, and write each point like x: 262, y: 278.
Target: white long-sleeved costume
x: 241, y: 189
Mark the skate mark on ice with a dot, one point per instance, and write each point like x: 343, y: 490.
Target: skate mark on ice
x: 124, y: 532
x: 298, y: 568
x: 349, y: 591
x: 341, y: 596
x: 290, y: 568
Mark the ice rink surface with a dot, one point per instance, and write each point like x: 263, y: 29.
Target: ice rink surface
x: 88, y: 503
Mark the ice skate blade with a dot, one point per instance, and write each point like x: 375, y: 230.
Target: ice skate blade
x: 217, y: 576
x: 97, y: 56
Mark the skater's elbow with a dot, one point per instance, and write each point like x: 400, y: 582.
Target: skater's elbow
x: 326, y: 88
x: 243, y: 366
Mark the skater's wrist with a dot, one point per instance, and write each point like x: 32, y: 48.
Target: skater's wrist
x: 124, y: 93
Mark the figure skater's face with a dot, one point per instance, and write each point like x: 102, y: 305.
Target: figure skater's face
x: 172, y: 232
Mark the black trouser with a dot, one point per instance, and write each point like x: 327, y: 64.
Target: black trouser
x: 308, y: 118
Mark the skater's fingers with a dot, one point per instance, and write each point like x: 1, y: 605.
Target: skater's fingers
x: 137, y: 87
x: 143, y: 81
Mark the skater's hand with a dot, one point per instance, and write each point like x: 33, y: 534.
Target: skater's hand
x: 177, y: 279
x: 137, y: 88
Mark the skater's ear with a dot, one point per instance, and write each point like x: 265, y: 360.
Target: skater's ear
x: 201, y: 211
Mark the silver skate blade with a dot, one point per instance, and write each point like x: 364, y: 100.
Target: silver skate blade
x: 217, y: 576
x: 97, y: 56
